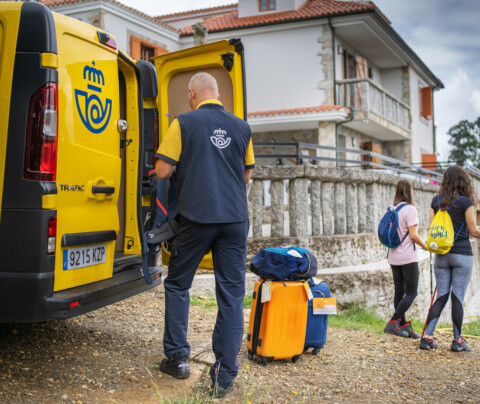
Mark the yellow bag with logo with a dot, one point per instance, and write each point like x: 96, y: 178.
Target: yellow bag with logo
x: 441, y: 234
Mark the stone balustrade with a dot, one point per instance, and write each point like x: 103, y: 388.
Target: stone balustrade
x: 308, y: 200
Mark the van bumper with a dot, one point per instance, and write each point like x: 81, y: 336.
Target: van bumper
x: 39, y: 304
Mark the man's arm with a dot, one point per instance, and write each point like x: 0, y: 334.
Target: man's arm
x: 168, y: 154
x: 163, y: 169
x: 248, y: 173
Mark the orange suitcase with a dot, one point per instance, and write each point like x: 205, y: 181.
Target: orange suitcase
x: 277, y: 325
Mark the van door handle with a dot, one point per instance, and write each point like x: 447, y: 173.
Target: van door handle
x: 96, y: 189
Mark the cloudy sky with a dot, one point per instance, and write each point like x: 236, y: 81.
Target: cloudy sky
x: 445, y: 34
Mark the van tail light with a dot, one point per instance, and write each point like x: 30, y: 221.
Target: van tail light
x: 52, y: 235
x: 42, y: 128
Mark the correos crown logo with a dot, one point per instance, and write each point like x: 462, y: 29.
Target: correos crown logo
x: 219, y: 138
x: 94, y: 112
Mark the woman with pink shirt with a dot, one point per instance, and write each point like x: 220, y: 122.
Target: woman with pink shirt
x: 404, y: 262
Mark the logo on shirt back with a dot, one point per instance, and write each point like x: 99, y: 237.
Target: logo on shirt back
x: 219, y: 138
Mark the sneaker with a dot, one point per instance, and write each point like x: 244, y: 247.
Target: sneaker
x: 460, y: 345
x: 219, y: 391
x: 393, y: 327
x: 176, y: 366
x: 408, y: 328
x: 427, y: 343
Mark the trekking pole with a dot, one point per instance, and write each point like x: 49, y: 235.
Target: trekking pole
x: 431, y: 276
x: 431, y: 304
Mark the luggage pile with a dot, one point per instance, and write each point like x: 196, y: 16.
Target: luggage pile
x: 290, y: 307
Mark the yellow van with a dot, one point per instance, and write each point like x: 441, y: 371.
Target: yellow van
x: 79, y: 125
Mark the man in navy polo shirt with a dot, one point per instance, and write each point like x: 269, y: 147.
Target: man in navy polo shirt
x: 213, y: 154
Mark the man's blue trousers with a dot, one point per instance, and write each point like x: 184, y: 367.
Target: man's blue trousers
x: 228, y: 243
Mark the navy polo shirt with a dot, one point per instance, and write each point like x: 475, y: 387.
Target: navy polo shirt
x: 210, y: 172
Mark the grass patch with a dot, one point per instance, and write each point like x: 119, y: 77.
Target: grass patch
x: 357, y: 317
x: 210, y: 303
x: 472, y: 328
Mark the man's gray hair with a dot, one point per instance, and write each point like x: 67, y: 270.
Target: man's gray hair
x: 203, y: 82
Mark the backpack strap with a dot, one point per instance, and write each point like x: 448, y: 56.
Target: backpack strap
x: 459, y: 232
x: 400, y: 207
x: 461, y: 196
x: 463, y: 224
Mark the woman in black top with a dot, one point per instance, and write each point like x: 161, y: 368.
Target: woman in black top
x: 454, y: 269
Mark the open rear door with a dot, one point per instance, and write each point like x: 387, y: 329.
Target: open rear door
x: 224, y: 61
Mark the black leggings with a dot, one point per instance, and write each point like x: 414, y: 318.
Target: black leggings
x: 405, y: 278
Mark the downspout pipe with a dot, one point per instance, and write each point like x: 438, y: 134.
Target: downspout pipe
x: 337, y: 124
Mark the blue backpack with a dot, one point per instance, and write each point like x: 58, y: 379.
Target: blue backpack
x: 282, y: 263
x: 388, y: 226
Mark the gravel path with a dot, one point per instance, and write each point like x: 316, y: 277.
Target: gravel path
x: 107, y: 357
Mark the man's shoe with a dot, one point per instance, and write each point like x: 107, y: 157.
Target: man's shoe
x: 460, y: 345
x: 408, y: 328
x: 427, y: 343
x: 176, y: 366
x: 219, y: 392
x: 393, y: 327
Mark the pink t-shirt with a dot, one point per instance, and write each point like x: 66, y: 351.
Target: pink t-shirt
x: 404, y: 253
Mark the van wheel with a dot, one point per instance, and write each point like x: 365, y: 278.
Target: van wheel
x: 315, y: 351
x: 264, y: 361
x: 250, y: 355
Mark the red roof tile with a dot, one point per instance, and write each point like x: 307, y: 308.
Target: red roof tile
x: 193, y: 12
x: 311, y: 9
x: 55, y: 3
x: 306, y: 110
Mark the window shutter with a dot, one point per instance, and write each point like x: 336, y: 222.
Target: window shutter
x: 426, y: 102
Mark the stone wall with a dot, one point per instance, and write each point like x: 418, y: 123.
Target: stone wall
x: 326, y: 200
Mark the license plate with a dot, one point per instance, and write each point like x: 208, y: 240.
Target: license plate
x: 81, y: 257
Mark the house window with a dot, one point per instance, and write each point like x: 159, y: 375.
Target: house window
x: 267, y: 5
x: 144, y: 50
x: 349, y: 66
x: 426, y: 102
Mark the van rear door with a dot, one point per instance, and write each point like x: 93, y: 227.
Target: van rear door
x: 9, y: 23
x: 224, y: 61
x: 88, y: 159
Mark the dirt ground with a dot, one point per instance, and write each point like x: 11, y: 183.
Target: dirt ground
x: 107, y: 357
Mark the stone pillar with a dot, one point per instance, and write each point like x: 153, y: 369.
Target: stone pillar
x: 340, y: 208
x: 256, y: 197
x: 298, y: 207
x: 362, y: 208
x: 352, y: 209
x: 326, y: 137
x: 373, y: 201
x: 327, y: 208
x: 316, y: 205
x: 277, y: 208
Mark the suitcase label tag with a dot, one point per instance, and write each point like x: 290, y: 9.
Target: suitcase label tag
x: 308, y: 290
x: 324, y: 305
x: 267, y: 292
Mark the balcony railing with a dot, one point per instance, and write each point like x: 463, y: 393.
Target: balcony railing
x: 366, y: 95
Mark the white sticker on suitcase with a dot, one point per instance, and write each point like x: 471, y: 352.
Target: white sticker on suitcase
x: 266, y: 292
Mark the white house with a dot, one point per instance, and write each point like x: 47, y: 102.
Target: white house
x: 328, y: 72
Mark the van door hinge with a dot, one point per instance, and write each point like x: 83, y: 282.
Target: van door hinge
x: 228, y: 59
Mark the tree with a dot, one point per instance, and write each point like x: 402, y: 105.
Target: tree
x: 465, y: 142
